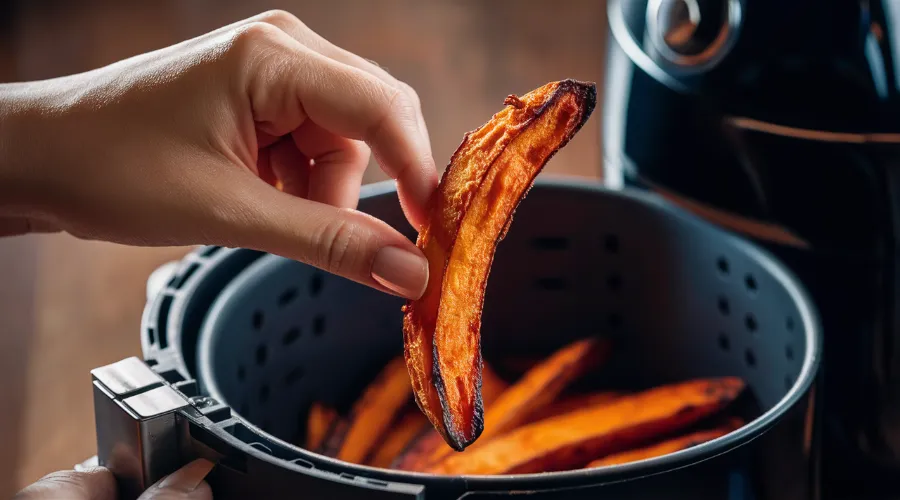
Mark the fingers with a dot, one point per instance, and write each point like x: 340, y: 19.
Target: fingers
x: 299, y: 83
x: 341, y: 241
x: 185, y: 483
x: 90, y: 484
x: 339, y: 165
x: 290, y: 166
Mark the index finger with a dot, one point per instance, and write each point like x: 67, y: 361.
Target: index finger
x: 353, y: 103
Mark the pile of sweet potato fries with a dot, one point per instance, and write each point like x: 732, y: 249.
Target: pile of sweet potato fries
x: 534, y: 424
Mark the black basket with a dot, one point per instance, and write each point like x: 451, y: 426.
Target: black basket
x: 250, y: 340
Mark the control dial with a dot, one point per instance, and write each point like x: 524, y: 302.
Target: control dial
x: 692, y: 32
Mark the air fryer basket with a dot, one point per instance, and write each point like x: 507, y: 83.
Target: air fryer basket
x: 259, y: 337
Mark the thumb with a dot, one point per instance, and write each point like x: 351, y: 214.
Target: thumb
x: 92, y: 484
x: 341, y: 241
x: 185, y: 483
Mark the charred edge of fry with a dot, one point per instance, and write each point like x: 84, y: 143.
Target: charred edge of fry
x: 461, y: 435
x: 415, y: 456
x: 668, y: 446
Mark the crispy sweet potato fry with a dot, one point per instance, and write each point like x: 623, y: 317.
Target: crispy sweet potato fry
x: 415, y: 456
x: 471, y: 211
x: 320, y: 420
x: 573, y: 439
x: 669, y: 446
x: 536, y: 389
x: 571, y: 403
x: 373, y: 413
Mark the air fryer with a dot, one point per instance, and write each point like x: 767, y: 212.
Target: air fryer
x: 780, y: 121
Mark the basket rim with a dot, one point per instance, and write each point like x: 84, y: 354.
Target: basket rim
x: 808, y: 322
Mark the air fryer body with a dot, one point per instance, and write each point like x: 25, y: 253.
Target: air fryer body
x: 780, y: 120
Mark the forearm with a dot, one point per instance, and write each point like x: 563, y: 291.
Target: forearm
x: 28, y: 116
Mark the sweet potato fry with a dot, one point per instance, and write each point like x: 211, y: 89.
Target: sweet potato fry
x: 669, y: 446
x: 320, y: 420
x: 373, y: 413
x: 573, y: 439
x: 335, y: 437
x: 471, y: 211
x: 415, y: 456
x: 409, y: 425
x: 536, y: 389
x: 571, y: 403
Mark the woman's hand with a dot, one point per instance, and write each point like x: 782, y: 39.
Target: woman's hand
x: 99, y: 484
x: 185, y: 145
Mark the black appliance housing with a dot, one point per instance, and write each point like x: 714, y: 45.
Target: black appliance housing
x: 780, y: 120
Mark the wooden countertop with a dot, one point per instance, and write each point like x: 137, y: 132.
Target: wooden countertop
x: 67, y: 306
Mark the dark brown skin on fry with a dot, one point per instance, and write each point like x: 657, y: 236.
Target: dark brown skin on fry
x: 488, y: 176
x: 668, y: 446
x: 572, y: 440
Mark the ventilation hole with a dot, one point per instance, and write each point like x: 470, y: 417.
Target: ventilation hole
x: 788, y: 382
x: 722, y: 265
x: 724, y: 343
x: 261, y: 354
x: 315, y: 284
x: 209, y: 251
x: 241, y: 373
x: 151, y: 362
x: 294, y: 376
x: 550, y: 243
x: 151, y: 334
x: 264, y: 394
x: 789, y: 324
x: 611, y: 243
x: 179, y: 280
x: 291, y: 336
x: 550, y: 283
x: 286, y: 297
x: 789, y: 352
x: 257, y: 319
x: 750, y: 282
x: 614, y: 320
x: 750, y: 323
x: 750, y: 358
x: 724, y: 308
x: 318, y: 325
x: 614, y: 282
x: 162, y: 324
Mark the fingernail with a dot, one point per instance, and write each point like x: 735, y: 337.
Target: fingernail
x: 189, y: 477
x: 401, y: 271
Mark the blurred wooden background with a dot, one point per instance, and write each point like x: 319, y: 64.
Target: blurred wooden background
x: 67, y: 306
